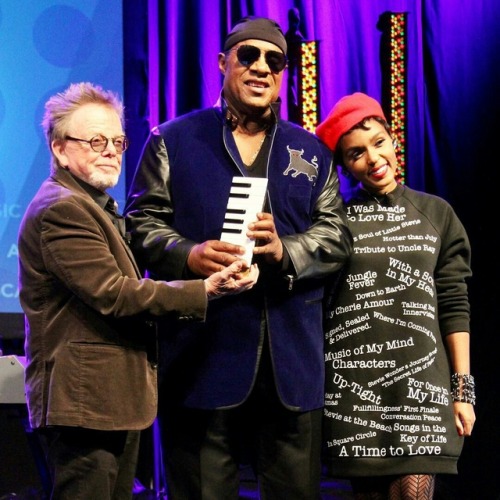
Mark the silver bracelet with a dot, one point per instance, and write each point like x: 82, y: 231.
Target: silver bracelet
x: 463, y: 388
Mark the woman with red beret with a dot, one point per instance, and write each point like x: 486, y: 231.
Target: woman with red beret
x: 399, y: 394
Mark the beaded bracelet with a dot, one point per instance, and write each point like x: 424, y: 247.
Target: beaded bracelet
x: 463, y: 388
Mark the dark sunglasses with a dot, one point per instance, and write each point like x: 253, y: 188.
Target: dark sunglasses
x: 248, y: 54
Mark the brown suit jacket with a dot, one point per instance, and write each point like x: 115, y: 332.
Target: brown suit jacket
x: 90, y: 330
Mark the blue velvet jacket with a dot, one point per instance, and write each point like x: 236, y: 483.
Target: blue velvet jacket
x: 178, y: 198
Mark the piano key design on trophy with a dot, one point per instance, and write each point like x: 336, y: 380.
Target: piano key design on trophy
x: 246, y: 198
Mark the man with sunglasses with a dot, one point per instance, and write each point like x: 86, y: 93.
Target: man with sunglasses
x: 247, y: 386
x: 91, y: 340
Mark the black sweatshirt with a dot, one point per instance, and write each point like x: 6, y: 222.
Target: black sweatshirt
x: 388, y: 407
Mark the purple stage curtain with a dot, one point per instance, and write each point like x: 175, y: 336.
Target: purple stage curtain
x: 453, y: 58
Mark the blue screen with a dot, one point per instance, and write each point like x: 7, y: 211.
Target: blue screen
x: 44, y: 46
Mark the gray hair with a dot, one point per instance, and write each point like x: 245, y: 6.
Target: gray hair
x: 60, y: 107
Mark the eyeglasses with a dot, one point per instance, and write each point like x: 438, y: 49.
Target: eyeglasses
x: 248, y: 54
x: 99, y: 143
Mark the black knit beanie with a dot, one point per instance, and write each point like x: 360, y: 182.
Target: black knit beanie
x: 258, y: 28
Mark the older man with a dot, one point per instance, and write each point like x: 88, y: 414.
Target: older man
x: 90, y: 338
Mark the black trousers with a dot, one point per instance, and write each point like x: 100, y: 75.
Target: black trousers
x: 203, y: 450
x: 86, y: 464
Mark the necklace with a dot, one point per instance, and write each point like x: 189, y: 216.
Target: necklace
x: 256, y: 152
x: 377, y: 199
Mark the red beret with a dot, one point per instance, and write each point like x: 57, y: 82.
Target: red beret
x: 349, y: 111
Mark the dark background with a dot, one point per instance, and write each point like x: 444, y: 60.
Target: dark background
x: 453, y: 59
